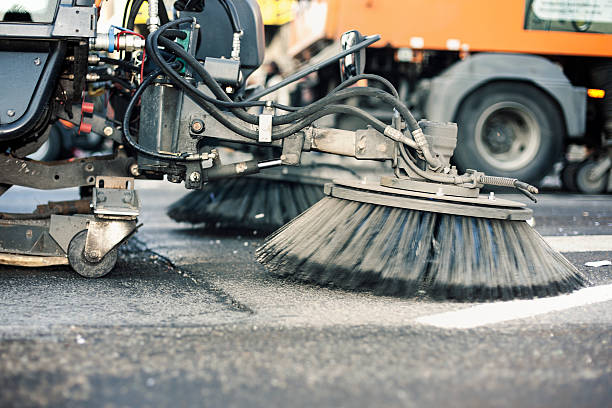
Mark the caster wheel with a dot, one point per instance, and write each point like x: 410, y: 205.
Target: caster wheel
x: 82, y: 266
x: 585, y: 184
x: 568, y: 177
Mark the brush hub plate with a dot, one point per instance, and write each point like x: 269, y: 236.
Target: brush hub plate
x: 429, y: 187
x: 482, y: 206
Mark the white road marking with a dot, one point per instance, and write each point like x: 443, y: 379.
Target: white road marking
x: 581, y: 243
x: 516, y: 309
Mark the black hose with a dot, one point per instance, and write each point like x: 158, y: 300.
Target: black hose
x: 136, y: 4
x: 371, y: 77
x: 121, y: 63
x: 249, y: 133
x: 125, y: 84
x: 203, y: 100
x: 287, y: 118
x: 305, y: 116
x: 232, y: 14
x: 163, y: 13
x: 172, y: 34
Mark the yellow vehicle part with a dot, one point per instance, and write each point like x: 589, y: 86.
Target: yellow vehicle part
x: 277, y: 12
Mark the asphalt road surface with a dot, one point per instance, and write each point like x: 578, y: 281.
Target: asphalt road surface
x: 188, y: 318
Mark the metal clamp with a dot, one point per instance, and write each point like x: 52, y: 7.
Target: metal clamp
x: 265, y: 124
x: 115, y: 196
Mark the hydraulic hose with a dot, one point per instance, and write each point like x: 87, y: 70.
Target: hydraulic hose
x: 280, y: 119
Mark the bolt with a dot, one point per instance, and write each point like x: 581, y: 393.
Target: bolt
x: 36, y: 61
x: 108, y: 131
x: 361, y: 145
x: 174, y: 178
x: 10, y: 112
x: 100, y: 197
x: 492, y: 196
x: 197, y: 126
x: 134, y: 171
x: 127, y: 197
x: 95, y: 254
x: 194, y: 177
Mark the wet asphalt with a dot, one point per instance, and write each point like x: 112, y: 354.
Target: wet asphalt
x: 188, y: 318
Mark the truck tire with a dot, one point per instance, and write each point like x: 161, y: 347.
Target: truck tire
x: 509, y: 129
x: 585, y: 184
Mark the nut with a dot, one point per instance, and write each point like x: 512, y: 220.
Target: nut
x: 194, y: 177
x: 108, y: 131
x: 134, y: 171
x: 197, y: 126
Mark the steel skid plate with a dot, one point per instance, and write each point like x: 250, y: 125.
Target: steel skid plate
x: 482, y: 206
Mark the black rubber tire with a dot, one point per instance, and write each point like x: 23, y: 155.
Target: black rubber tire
x: 568, y: 177
x: 543, y: 111
x: 82, y: 266
x: 587, y: 186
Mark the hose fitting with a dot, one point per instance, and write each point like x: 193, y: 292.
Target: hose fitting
x: 526, y: 189
x: 423, y: 146
x: 398, y: 136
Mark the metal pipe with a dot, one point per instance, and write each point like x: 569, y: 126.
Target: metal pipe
x: 153, y: 22
x: 268, y: 164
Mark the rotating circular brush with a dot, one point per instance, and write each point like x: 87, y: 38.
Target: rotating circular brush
x: 401, y: 243
x: 254, y: 202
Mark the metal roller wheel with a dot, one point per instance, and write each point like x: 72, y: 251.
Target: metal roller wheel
x: 586, y: 184
x: 82, y: 266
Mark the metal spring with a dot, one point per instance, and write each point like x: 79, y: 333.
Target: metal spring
x: 498, y: 181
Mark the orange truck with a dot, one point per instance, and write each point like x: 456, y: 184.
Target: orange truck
x: 523, y: 79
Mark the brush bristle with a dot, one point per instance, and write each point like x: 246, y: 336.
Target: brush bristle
x: 403, y: 253
x: 246, y: 202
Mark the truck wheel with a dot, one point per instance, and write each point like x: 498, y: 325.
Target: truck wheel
x: 82, y: 266
x: 586, y: 184
x: 509, y: 129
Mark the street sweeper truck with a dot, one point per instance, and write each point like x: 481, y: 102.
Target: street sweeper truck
x: 177, y: 94
x: 523, y: 79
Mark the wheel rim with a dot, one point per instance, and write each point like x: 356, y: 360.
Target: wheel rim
x: 507, y: 136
